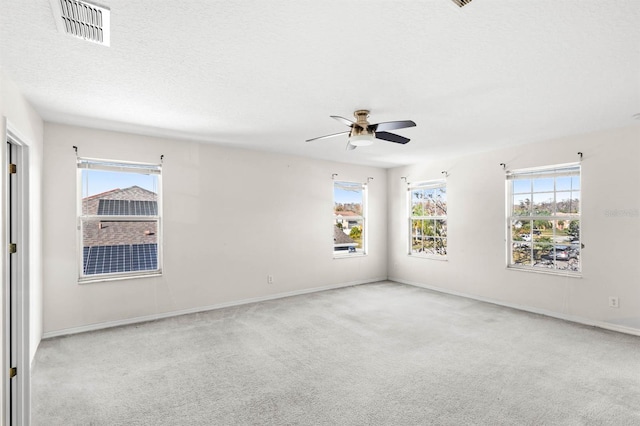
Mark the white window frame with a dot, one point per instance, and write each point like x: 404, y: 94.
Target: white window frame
x: 125, y: 167
x: 550, y: 262
x: 432, y: 184
x: 363, y: 219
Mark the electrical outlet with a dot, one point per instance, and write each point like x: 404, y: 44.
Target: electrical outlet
x: 269, y: 279
x: 614, y: 302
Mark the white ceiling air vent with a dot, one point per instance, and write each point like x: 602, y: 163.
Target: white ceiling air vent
x: 461, y: 2
x: 83, y: 20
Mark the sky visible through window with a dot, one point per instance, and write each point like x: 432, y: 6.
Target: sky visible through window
x: 99, y: 181
x: 564, y: 183
x: 539, y: 195
x: 345, y: 196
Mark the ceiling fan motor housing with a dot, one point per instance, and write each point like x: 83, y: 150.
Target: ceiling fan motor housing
x: 362, y: 127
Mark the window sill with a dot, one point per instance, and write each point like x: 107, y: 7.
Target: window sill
x: 428, y: 256
x: 106, y: 278
x: 554, y: 272
x: 347, y: 256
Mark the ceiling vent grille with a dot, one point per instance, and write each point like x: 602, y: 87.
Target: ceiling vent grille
x: 83, y: 20
x: 461, y: 2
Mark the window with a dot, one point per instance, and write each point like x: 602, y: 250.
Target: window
x: 349, y: 213
x: 544, y: 219
x: 118, y: 219
x: 428, y: 219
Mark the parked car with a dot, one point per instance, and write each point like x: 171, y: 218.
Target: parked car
x: 528, y: 237
x: 562, y: 252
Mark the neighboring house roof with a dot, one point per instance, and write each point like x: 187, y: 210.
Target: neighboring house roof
x: 102, y: 194
x: 340, y: 238
x: 346, y: 213
x: 128, y: 201
x: 102, y: 233
x: 90, y: 204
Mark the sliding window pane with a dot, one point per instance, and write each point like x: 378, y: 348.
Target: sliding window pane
x: 119, y: 246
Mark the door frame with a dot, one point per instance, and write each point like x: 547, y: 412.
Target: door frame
x: 21, y: 286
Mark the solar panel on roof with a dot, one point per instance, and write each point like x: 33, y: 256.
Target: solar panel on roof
x: 144, y: 257
x: 120, y: 258
x: 127, y: 208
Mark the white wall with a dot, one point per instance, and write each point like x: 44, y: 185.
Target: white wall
x: 231, y: 217
x: 476, y: 245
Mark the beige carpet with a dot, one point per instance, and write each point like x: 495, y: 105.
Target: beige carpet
x: 375, y: 354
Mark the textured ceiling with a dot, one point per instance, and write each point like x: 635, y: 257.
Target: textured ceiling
x: 266, y: 74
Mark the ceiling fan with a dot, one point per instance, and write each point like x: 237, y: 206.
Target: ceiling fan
x: 362, y: 133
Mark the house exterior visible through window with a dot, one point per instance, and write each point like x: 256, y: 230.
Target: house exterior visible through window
x: 119, y: 215
x: 428, y: 219
x: 349, y: 219
x: 544, y: 219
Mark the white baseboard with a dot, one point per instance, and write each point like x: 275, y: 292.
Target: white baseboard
x: 571, y: 318
x: 135, y: 320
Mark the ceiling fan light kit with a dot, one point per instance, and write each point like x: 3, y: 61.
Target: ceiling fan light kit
x: 362, y: 133
x: 361, y: 140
